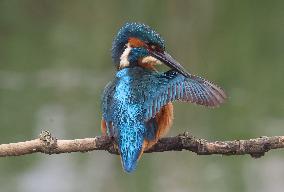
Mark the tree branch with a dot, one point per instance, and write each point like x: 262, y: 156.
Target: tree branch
x: 50, y: 145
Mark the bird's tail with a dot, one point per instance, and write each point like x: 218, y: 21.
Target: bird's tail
x: 130, y: 145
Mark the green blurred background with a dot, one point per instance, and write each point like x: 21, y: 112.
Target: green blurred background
x: 55, y: 61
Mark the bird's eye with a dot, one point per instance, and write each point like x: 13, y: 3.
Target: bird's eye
x: 156, y: 48
x: 153, y: 47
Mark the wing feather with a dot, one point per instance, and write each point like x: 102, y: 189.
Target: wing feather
x: 172, y: 86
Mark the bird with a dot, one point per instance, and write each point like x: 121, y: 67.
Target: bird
x: 137, y: 107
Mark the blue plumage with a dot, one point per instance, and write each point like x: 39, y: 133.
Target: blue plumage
x: 136, y: 110
x: 136, y: 95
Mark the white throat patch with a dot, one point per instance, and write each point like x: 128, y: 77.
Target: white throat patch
x: 124, y: 62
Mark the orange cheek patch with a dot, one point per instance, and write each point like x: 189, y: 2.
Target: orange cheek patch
x: 135, y: 42
x: 150, y: 66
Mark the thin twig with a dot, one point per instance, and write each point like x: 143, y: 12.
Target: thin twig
x: 50, y: 145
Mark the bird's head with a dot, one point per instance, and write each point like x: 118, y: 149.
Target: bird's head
x: 137, y: 44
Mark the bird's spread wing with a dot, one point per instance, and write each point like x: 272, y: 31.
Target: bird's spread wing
x: 172, y: 86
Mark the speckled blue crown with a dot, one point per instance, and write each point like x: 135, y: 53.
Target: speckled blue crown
x: 138, y: 30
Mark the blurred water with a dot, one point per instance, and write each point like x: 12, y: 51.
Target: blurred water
x: 55, y: 61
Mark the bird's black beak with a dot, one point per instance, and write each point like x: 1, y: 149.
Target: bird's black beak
x: 170, y: 62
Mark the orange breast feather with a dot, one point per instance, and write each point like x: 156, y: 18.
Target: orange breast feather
x: 164, y: 119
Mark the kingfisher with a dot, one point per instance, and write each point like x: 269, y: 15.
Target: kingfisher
x: 137, y: 104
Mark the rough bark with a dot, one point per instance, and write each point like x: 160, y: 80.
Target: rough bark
x: 50, y: 145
